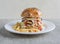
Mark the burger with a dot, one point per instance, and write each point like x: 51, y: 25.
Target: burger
x: 32, y: 18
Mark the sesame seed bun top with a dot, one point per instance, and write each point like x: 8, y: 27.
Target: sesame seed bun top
x: 31, y: 12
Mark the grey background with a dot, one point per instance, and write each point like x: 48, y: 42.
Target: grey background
x: 11, y: 9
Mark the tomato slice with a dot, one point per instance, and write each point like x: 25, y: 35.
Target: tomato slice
x: 40, y: 28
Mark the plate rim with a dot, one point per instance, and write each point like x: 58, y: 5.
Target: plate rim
x: 29, y: 32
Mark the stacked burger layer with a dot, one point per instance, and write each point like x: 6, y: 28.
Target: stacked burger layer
x: 32, y: 18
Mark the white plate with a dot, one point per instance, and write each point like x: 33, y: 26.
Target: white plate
x: 49, y: 26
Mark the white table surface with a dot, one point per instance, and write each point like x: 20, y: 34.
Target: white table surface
x: 52, y: 37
